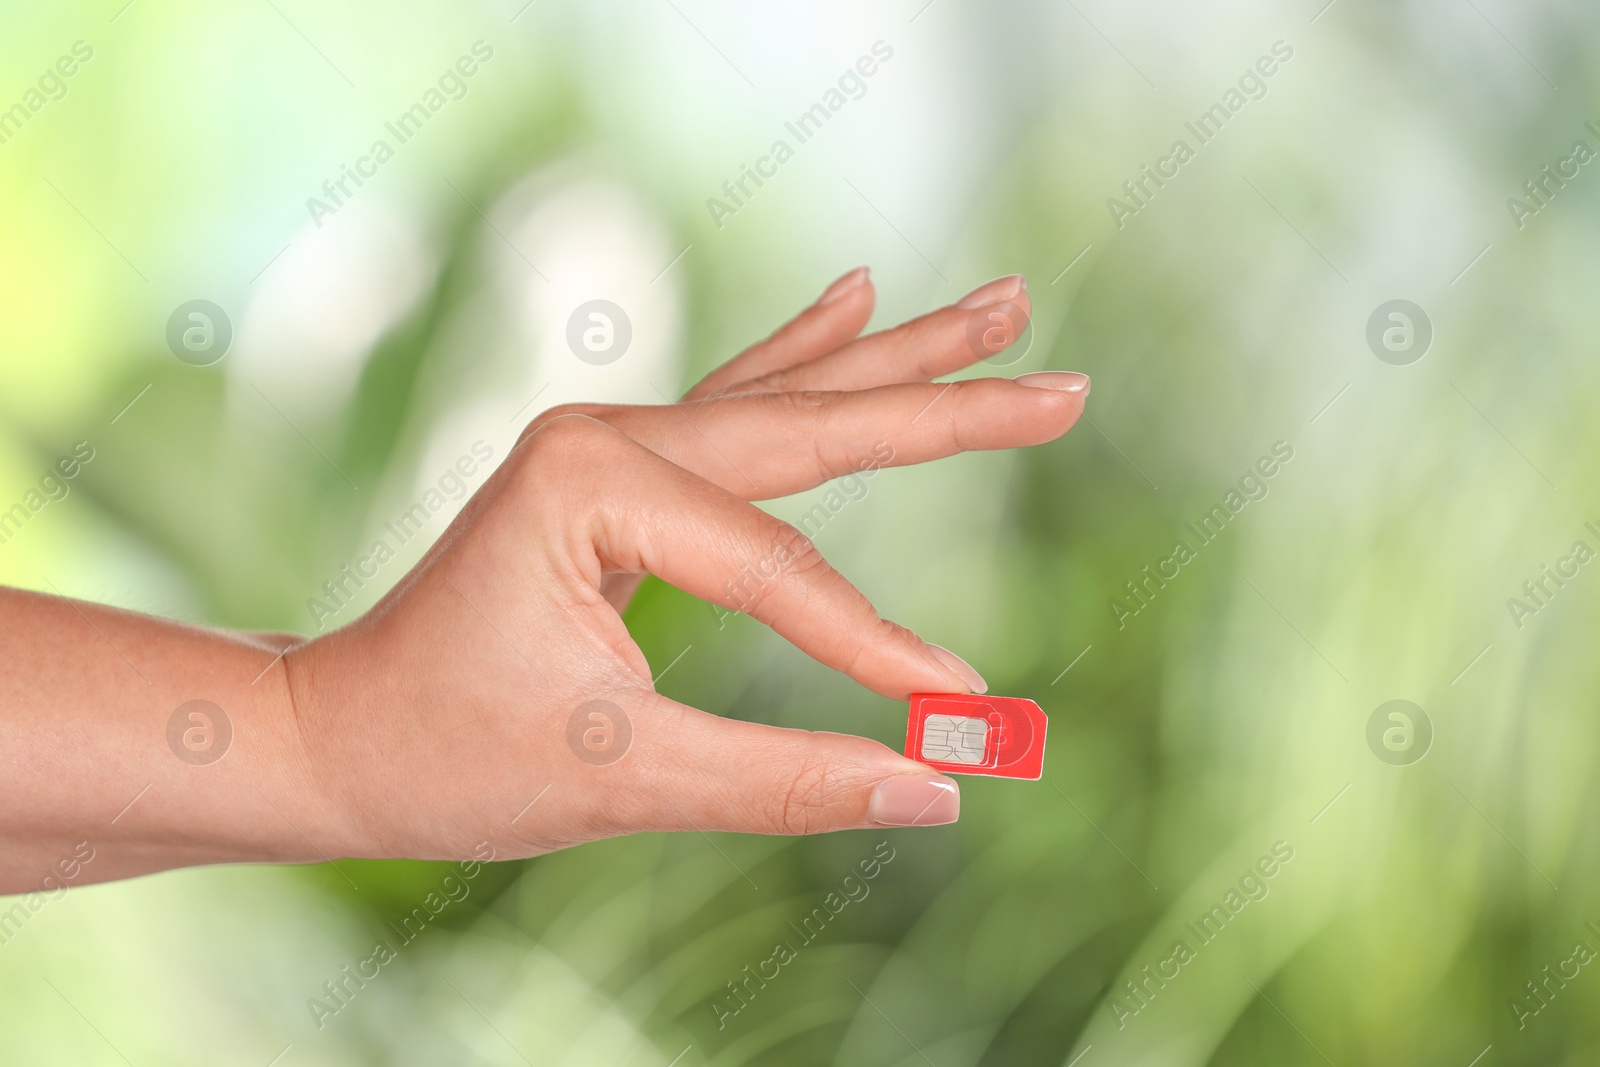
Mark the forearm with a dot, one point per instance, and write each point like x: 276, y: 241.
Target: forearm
x: 92, y: 763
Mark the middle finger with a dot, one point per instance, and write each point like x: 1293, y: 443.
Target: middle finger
x: 925, y: 348
x: 766, y: 445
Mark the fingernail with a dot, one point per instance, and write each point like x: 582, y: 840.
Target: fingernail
x: 961, y: 667
x: 915, y: 800
x: 843, y: 286
x: 1068, y: 381
x: 993, y: 292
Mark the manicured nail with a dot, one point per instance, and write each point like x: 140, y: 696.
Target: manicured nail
x: 915, y: 800
x: 1068, y: 381
x: 993, y: 292
x: 961, y: 667
x: 843, y: 286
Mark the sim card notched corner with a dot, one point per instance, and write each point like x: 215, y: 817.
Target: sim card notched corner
x: 960, y: 733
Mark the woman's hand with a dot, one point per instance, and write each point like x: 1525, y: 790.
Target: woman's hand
x: 495, y: 695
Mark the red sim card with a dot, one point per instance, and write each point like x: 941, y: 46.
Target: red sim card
x: 1002, y: 737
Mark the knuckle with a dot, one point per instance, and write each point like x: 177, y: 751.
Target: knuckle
x: 881, y: 633
x: 802, y: 807
x: 571, y: 431
x: 813, y: 411
x: 834, y: 459
x: 796, y: 553
x: 778, y: 381
x: 787, y: 559
x: 937, y: 336
x: 544, y: 418
x: 959, y: 440
x: 571, y: 441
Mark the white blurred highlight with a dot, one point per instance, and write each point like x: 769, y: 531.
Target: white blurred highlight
x: 319, y: 310
x: 591, y: 240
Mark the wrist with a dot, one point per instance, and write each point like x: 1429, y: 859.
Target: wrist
x: 341, y: 703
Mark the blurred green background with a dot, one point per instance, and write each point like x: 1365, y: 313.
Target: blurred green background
x: 1431, y: 877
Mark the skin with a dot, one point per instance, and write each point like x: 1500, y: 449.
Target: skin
x: 439, y: 721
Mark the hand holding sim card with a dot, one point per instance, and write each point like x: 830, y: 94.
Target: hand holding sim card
x: 1001, y: 737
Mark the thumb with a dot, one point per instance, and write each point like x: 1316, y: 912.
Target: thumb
x: 694, y: 771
